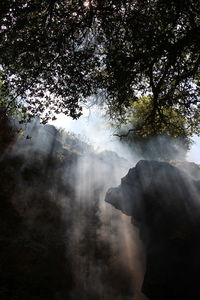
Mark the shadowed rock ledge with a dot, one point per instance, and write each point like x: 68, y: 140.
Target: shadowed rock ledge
x: 163, y: 201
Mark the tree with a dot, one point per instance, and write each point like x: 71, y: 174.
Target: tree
x: 164, y: 138
x: 10, y: 106
x: 172, y: 120
x: 57, y: 53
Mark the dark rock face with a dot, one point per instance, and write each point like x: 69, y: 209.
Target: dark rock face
x: 164, y: 202
x: 32, y: 248
x: 52, y: 241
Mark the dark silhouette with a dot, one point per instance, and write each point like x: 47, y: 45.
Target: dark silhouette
x: 75, y: 49
x: 164, y: 204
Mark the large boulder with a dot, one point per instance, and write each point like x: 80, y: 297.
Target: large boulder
x: 164, y: 202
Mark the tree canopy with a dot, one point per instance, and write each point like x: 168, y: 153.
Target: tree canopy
x: 57, y: 53
x: 166, y: 139
x: 174, y: 122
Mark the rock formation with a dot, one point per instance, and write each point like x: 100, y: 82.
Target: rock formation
x: 164, y: 203
x: 52, y: 241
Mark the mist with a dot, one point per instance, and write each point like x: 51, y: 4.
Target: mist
x: 95, y: 128
x: 193, y: 154
x: 71, y: 243
x: 54, y: 182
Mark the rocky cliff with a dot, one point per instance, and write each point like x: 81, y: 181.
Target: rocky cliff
x: 163, y: 200
x: 53, y: 231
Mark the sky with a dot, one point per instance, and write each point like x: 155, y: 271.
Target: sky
x: 194, y: 153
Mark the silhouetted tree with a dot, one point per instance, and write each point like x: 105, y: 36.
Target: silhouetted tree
x: 57, y: 53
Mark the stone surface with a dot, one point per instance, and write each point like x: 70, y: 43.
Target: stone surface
x: 164, y: 203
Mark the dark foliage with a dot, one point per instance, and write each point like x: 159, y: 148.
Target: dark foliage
x: 74, y: 49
